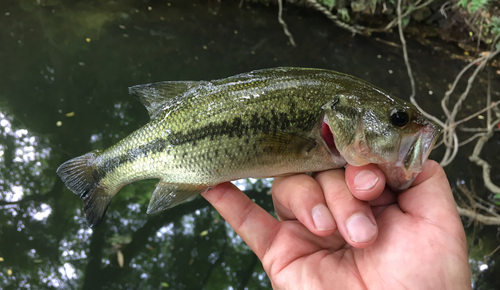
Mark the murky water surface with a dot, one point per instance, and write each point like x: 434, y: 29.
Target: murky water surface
x: 64, y: 72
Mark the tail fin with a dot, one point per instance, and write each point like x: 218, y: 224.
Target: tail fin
x: 81, y: 176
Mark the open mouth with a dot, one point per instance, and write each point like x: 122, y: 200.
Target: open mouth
x: 327, y: 136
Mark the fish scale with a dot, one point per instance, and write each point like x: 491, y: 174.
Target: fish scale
x: 258, y: 124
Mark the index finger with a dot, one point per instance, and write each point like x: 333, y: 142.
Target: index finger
x: 252, y: 223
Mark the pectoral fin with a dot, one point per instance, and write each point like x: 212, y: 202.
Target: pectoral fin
x: 285, y: 143
x: 167, y: 195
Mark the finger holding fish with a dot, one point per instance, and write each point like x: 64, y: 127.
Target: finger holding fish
x: 365, y: 182
x: 331, y: 200
x: 354, y: 217
x: 299, y: 197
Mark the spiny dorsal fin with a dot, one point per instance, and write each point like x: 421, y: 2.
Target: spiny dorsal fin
x: 157, y: 96
x: 167, y: 195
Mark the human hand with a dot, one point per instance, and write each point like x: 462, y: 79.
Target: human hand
x: 331, y: 234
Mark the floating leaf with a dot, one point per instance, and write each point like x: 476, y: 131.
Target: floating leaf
x: 70, y: 114
x: 204, y: 233
x: 119, y: 257
x: 164, y: 284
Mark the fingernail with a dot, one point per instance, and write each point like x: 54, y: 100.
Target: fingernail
x: 360, y: 228
x: 323, y: 219
x: 365, y: 180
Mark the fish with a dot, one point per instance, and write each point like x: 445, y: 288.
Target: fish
x: 263, y: 123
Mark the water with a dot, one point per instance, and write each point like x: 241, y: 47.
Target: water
x: 65, y: 69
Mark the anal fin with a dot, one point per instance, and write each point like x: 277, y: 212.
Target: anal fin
x: 167, y: 195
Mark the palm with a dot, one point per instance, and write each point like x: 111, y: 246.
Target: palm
x: 399, y: 252
x: 418, y: 241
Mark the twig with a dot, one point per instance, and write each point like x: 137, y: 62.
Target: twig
x: 408, y: 68
x: 487, y: 109
x: 405, y: 52
x: 283, y: 23
x: 358, y: 29
x: 443, y: 7
x: 450, y: 137
x: 477, y: 135
x: 487, y: 220
x: 470, y: 81
x: 481, y: 141
x: 444, y: 101
x: 493, y: 252
x: 407, y: 12
x: 467, y: 129
x: 475, y: 204
x: 387, y: 42
x: 485, y: 165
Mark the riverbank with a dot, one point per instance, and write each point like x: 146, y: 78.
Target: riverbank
x: 472, y: 25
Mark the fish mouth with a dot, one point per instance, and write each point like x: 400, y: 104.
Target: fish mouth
x: 413, y: 152
x: 327, y: 136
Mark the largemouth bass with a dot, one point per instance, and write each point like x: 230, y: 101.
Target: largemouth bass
x: 259, y: 124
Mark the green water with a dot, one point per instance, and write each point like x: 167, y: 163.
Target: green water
x: 64, y: 72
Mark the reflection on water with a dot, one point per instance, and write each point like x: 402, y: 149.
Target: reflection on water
x: 65, y: 68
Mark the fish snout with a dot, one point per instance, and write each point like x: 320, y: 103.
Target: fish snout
x: 413, y: 153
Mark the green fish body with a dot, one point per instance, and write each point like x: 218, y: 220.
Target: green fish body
x: 259, y: 124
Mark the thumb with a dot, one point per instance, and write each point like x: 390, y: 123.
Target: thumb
x: 430, y: 196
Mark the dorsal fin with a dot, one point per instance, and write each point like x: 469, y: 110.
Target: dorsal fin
x: 156, y: 96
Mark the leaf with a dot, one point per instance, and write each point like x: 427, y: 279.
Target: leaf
x: 477, y: 4
x: 119, y: 257
x: 405, y: 21
x: 463, y: 3
x: 164, y: 284
x: 328, y: 3
x: 344, y: 13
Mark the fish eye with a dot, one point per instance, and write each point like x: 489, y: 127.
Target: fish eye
x: 399, y: 117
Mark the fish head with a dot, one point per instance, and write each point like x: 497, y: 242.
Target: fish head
x: 373, y: 127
